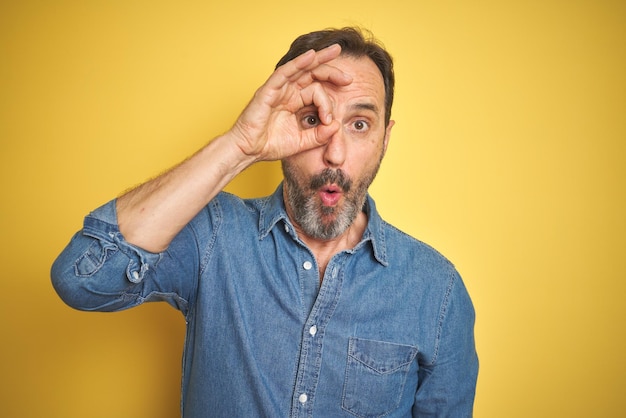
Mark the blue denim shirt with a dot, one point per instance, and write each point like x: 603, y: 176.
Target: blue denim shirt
x: 388, y: 332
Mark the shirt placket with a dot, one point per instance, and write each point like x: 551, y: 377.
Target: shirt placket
x: 310, y: 361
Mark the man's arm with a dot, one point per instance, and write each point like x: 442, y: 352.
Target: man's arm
x: 151, y: 215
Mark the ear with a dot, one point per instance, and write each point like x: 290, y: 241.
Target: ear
x: 387, y: 135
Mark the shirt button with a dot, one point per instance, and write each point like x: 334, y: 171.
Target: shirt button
x: 307, y: 265
x: 286, y: 228
x: 303, y: 398
x: 313, y: 330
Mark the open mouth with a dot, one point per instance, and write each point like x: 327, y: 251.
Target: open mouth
x: 330, y: 195
x: 330, y: 186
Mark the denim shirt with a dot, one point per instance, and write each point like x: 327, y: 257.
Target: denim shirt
x: 388, y: 332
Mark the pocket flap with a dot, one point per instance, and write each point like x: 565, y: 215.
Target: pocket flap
x: 381, y: 356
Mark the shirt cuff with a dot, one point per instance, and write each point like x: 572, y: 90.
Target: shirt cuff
x: 102, y: 224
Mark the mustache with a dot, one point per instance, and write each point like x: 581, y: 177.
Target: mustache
x: 330, y: 176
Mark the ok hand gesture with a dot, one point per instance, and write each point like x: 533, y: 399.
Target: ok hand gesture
x: 269, y: 129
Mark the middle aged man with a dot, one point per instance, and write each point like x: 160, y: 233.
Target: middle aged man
x: 304, y: 303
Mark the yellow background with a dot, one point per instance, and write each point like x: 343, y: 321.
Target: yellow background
x: 508, y: 156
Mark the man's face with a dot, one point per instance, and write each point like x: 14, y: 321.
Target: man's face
x: 325, y: 188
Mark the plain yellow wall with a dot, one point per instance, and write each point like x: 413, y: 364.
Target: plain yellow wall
x: 508, y: 156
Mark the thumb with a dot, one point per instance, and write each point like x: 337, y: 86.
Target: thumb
x: 320, y: 135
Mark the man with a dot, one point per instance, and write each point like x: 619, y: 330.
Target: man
x: 304, y: 303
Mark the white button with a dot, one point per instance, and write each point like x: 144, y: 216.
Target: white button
x: 286, y: 228
x: 136, y: 275
x: 303, y: 398
x: 313, y: 330
x: 307, y: 265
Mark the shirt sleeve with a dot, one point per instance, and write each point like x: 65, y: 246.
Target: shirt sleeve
x: 100, y: 271
x: 448, y: 384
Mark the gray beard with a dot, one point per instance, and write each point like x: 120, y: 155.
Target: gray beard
x: 310, y: 214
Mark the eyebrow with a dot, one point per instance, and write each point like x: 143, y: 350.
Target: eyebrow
x: 365, y: 106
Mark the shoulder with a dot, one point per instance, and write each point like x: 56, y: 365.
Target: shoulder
x: 226, y: 212
x: 426, y: 273
x: 233, y: 205
x: 407, y: 249
x: 431, y: 276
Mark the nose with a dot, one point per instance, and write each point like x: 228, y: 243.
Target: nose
x: 335, y: 150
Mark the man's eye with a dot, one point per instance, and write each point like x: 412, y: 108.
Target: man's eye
x: 360, y: 125
x: 310, y: 121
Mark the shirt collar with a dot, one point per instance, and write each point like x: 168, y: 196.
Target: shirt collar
x: 272, y: 210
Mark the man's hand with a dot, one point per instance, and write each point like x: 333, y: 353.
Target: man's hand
x: 269, y: 129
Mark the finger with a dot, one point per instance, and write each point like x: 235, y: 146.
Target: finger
x: 291, y: 69
x: 320, y: 135
x: 323, y: 133
x: 302, y: 64
x: 331, y: 74
x: 318, y: 64
x: 327, y: 54
x: 311, y: 59
x: 316, y: 95
x: 325, y: 74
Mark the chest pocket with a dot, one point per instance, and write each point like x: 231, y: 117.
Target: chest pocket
x: 375, y: 376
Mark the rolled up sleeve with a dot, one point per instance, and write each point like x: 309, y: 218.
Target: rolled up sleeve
x: 100, y: 271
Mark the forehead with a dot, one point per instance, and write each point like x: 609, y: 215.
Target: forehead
x: 367, y: 81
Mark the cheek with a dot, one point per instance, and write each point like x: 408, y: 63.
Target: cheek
x: 301, y: 162
x: 364, y: 168
x: 366, y: 152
